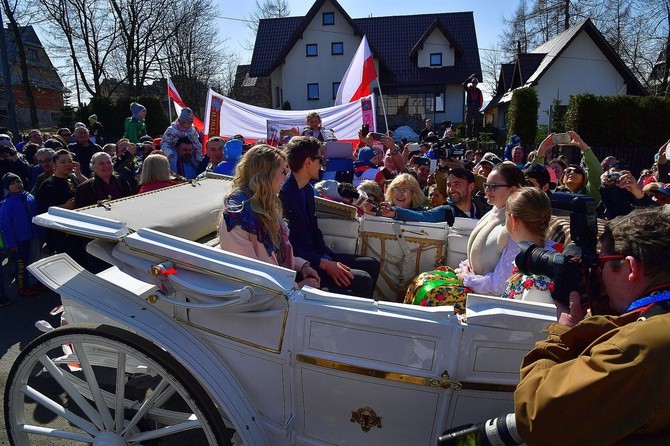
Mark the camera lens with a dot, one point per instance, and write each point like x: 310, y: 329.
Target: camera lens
x: 535, y: 260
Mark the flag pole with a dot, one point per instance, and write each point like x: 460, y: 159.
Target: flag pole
x: 169, y: 100
x: 381, y: 96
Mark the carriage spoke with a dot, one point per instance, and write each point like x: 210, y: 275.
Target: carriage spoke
x: 92, y: 380
x: 58, y: 409
x: 56, y: 433
x: 120, y: 391
x: 60, y: 377
x: 165, y: 431
x: 146, y: 405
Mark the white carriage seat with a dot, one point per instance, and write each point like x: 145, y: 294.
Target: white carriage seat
x: 189, y: 211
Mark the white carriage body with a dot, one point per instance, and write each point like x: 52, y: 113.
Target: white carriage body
x: 288, y: 366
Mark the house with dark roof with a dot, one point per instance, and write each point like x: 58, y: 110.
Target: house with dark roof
x: 46, y: 84
x: 578, y: 60
x: 421, y: 60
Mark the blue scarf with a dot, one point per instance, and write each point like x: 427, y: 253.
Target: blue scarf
x: 237, y: 211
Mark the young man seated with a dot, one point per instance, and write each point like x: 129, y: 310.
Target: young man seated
x: 339, y: 272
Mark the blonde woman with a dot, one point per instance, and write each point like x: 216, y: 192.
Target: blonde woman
x: 528, y: 212
x: 156, y: 173
x: 251, y: 221
x: 404, y: 201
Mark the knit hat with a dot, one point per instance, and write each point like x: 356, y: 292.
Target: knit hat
x: 136, y: 108
x: 516, y: 140
x: 185, y: 114
x: 93, y: 118
x: 7, y: 180
x: 366, y: 154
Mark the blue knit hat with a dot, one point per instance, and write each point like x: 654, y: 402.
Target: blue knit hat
x: 136, y: 108
x: 185, y: 114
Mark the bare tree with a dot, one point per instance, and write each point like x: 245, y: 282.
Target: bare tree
x: 11, y: 12
x: 196, y: 57
x: 268, y: 9
x: 491, y: 64
x: 91, y: 39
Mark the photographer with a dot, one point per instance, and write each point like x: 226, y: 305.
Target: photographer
x: 575, y: 385
x: 621, y: 194
x: 602, y: 379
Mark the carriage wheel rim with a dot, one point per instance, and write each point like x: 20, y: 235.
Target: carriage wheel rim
x: 93, y: 405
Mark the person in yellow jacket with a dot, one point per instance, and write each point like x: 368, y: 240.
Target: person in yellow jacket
x: 604, y: 379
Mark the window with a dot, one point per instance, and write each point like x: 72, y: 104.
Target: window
x: 328, y: 18
x: 439, y: 102
x: 337, y: 48
x: 312, y: 50
x: 435, y: 59
x: 336, y: 86
x: 312, y: 92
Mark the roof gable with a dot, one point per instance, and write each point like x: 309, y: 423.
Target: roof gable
x: 505, y: 78
x: 439, y: 26
x: 391, y: 39
x: 555, y: 47
x: 281, y: 34
x: 525, y: 67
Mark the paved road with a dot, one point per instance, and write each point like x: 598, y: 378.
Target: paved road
x: 17, y: 329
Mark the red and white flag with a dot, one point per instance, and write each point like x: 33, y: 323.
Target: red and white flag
x: 361, y: 72
x: 179, y: 104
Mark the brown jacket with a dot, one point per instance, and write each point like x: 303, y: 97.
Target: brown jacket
x: 604, y: 381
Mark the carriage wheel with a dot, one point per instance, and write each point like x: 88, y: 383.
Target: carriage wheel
x: 105, y: 386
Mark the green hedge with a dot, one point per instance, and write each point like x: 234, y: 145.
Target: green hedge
x: 619, y: 121
x: 522, y: 115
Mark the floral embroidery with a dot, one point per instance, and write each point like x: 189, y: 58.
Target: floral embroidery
x: 526, y: 282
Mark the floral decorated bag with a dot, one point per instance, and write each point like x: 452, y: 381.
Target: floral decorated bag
x: 438, y: 287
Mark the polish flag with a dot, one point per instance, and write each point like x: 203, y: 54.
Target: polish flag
x: 179, y: 104
x: 361, y: 72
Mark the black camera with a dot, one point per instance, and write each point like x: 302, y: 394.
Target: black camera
x: 572, y: 269
x: 440, y: 152
x: 614, y: 176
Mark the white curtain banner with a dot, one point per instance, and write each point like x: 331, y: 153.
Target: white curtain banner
x: 228, y: 117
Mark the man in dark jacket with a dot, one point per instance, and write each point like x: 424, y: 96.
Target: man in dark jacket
x: 339, y: 272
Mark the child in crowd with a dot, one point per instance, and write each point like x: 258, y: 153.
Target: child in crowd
x: 18, y: 232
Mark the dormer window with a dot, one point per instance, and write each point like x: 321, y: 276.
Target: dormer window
x: 328, y: 18
x: 435, y: 59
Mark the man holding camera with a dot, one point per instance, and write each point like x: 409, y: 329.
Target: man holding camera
x: 603, y: 379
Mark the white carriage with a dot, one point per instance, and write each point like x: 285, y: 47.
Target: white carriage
x: 181, y: 342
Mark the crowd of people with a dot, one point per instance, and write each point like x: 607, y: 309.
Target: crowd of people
x: 269, y: 215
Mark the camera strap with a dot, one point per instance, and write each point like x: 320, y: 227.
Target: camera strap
x: 652, y: 305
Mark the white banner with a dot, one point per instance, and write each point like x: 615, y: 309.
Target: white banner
x: 228, y: 117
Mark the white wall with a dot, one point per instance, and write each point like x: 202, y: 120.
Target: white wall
x: 436, y: 43
x: 582, y: 68
x: 324, y: 69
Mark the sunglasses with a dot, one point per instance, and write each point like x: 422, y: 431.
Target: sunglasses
x: 402, y: 190
x: 602, y: 259
x: 493, y: 187
x: 320, y: 158
x: 572, y: 169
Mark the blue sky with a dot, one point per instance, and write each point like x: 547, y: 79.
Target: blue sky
x: 488, y: 16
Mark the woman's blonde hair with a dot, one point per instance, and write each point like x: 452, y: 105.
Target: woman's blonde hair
x: 406, y: 180
x: 155, y: 168
x: 532, y: 206
x: 254, y: 175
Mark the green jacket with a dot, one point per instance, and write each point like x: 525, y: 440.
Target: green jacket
x: 593, y: 172
x: 134, y: 129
